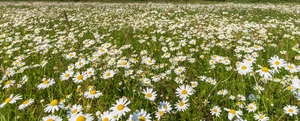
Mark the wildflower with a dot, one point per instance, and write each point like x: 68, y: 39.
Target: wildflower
x: 150, y: 94
x: 52, y: 118
x: 52, y: 106
x: 291, y: 110
x: 184, y: 91
x: 216, y: 110
x: 121, y: 107
x: 46, y: 83
x: 25, y: 104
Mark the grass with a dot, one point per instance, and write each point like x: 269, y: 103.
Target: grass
x: 136, y: 32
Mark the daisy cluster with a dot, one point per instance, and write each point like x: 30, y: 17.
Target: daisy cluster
x: 143, y: 62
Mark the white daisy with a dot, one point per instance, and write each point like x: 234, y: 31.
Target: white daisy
x: 52, y: 118
x: 66, y: 75
x: 52, y: 107
x: 25, y: 104
x: 108, y: 74
x: 261, y: 117
x: 184, y: 91
x: 11, y: 99
x: 182, y: 105
x: 46, y: 83
x: 92, y: 93
x: 291, y: 110
x: 121, y: 107
x: 81, y: 117
x: 244, y: 68
x: 216, y: 111
x: 150, y: 94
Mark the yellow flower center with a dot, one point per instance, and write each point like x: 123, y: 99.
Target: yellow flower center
x: 120, y: 107
x: 232, y: 111
x: 80, y: 118
x: 277, y: 62
x: 261, y: 117
x: 291, y: 110
x: 264, y: 69
x: 244, y: 67
x: 92, y: 92
x: 50, y: 119
x: 25, y: 102
x: 215, y: 110
x: 54, y: 102
x: 45, y: 82
x: 7, y: 100
x: 181, y: 104
x: 161, y: 113
x: 183, y: 92
x: 142, y: 118
x: 291, y: 67
x: 105, y: 119
x: 149, y: 95
x: 74, y: 111
x: 123, y: 63
x: 79, y: 77
x: 251, y: 107
x: 107, y: 74
x: 7, y: 82
x: 67, y: 75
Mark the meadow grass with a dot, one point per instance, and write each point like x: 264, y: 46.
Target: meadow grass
x: 190, y: 55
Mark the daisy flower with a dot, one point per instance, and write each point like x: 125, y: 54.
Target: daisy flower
x: 75, y: 109
x: 121, y: 107
x: 165, y: 106
x: 71, y: 55
x: 92, y: 93
x: 251, y: 107
x: 66, y: 75
x: 159, y: 113
x: 78, y: 77
x: 80, y: 63
x: 141, y: 115
x: 233, y: 113
x: 179, y: 70
x: 265, y: 72
x: 150, y: 94
x: 9, y: 83
x: 105, y: 116
x: 216, y: 110
x: 261, y: 117
x: 291, y: 68
x: 182, y: 105
x: 108, y: 74
x: 184, y: 91
x: 291, y: 110
x: 26, y: 103
x: 52, y: 118
x: 90, y: 72
x: 222, y: 92
x: 194, y: 84
x: 276, y: 62
x: 244, y: 68
x: 149, y: 61
x: 81, y: 117
x: 52, y: 107
x: 11, y: 99
x: 46, y: 83
x: 123, y: 63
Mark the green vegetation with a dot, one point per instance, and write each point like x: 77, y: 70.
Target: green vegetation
x: 149, y: 61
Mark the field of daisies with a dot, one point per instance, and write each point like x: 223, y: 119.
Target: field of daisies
x: 149, y: 61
